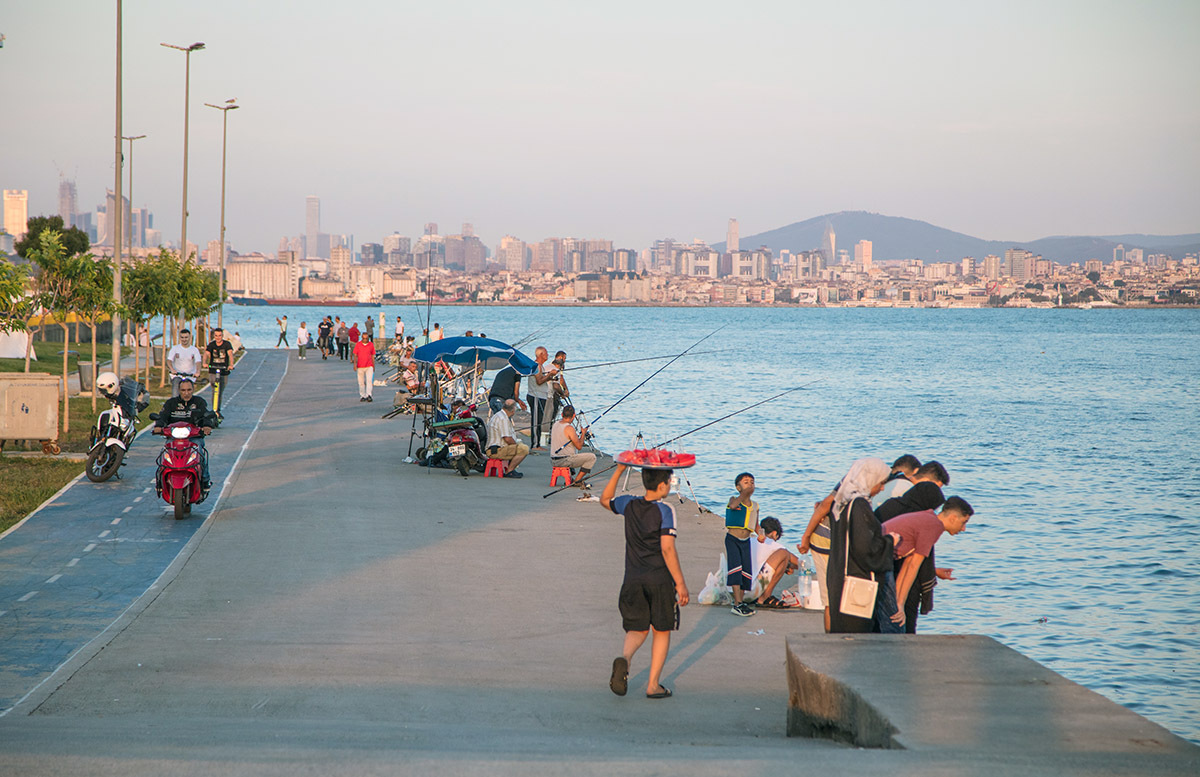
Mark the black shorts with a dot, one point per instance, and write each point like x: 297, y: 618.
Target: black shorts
x: 649, y: 604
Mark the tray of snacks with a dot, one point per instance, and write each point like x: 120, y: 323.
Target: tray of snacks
x: 656, y: 458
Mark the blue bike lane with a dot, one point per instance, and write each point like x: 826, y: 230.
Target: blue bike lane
x: 96, y: 552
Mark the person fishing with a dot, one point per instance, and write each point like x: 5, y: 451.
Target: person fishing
x: 566, y: 447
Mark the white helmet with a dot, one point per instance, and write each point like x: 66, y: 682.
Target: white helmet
x: 107, y: 383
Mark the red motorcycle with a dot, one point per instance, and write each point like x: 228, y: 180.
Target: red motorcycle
x: 460, y: 441
x: 179, y: 479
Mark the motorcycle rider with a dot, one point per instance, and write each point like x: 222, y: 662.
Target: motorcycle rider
x: 194, y: 410
x: 219, y: 356
x: 110, y: 388
x: 183, y: 360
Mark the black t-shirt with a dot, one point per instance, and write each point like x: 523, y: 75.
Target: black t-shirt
x: 220, y: 355
x: 645, y: 524
x: 505, y: 383
x: 324, y: 328
x: 922, y: 496
x: 175, y: 409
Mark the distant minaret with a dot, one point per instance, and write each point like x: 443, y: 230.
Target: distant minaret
x: 731, y: 236
x: 829, y: 244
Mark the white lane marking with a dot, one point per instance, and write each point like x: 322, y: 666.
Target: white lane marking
x: 28, y: 596
x: 233, y: 396
x: 115, y: 521
x: 53, y: 579
x: 137, y: 499
x: 146, y: 490
x: 3, y: 611
x: 105, y: 533
x: 127, y: 509
x: 72, y: 562
x: 91, y: 546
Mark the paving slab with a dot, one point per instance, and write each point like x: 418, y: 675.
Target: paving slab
x: 347, y: 613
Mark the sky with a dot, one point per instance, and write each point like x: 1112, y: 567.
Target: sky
x: 628, y: 121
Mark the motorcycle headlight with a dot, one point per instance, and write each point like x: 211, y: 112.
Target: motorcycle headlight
x: 180, y: 432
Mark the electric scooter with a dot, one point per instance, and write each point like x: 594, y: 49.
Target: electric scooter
x: 218, y: 382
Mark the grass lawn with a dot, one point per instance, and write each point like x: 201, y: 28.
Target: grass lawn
x: 29, y: 482
x: 50, y: 360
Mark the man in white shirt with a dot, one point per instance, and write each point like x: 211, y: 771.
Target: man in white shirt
x: 183, y: 360
x: 537, y: 394
x: 399, y: 330
x: 502, y: 439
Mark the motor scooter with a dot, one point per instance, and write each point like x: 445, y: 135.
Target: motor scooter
x: 113, y: 433
x: 466, y: 441
x: 179, y: 478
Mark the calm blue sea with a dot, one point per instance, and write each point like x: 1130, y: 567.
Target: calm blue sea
x: 1073, y: 433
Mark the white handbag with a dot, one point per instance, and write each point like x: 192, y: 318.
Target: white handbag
x: 858, y: 594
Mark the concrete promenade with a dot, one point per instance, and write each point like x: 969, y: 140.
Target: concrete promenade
x: 345, y: 613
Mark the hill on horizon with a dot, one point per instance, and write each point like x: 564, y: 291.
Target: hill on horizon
x: 894, y: 238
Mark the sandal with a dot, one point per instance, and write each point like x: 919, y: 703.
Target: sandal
x: 665, y: 693
x: 772, y: 603
x: 619, y: 682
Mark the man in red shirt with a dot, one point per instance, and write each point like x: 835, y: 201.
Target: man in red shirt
x: 918, y: 533
x: 364, y: 366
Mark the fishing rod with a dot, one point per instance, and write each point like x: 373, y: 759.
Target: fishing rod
x: 529, y: 338
x: 693, y: 431
x: 660, y: 369
x: 643, y: 359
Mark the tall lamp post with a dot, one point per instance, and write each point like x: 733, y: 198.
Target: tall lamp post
x: 187, y: 79
x: 116, y: 316
x: 129, y: 239
x: 230, y: 105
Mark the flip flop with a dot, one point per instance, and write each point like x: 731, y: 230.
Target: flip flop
x: 772, y: 603
x: 665, y: 693
x: 619, y: 682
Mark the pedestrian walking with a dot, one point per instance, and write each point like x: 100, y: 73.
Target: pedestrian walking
x: 302, y: 338
x: 343, y: 340
x: 282, y: 332
x: 364, y: 367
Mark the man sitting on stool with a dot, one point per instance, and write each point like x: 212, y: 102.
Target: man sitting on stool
x: 566, y: 447
x: 502, y: 439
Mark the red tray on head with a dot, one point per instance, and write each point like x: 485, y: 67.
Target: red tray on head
x: 656, y: 458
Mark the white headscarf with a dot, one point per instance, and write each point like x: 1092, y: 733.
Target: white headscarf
x: 862, y: 478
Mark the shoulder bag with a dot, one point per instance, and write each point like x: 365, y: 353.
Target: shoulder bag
x: 858, y: 594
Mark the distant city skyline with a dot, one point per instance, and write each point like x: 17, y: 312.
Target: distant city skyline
x: 911, y: 112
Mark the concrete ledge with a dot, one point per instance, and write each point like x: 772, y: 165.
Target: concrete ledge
x: 823, y: 707
x: 962, y: 694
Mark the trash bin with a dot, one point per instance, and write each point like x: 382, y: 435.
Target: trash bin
x: 29, y: 406
x: 85, y: 375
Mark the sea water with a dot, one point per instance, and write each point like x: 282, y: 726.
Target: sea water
x: 1073, y: 433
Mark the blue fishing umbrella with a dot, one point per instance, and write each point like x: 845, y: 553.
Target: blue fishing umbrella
x: 466, y: 351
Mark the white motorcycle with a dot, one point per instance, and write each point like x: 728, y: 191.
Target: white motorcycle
x: 114, y: 431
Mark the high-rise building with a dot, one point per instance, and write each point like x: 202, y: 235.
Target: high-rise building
x: 829, y: 244
x: 1020, y: 264
x: 1119, y: 253
x: 371, y: 253
x: 339, y: 263
x: 67, y: 202
x: 731, y: 236
x: 992, y: 267
x: 968, y: 266
x: 468, y: 229
x: 312, y: 226
x: 16, y: 212
x: 1135, y: 255
x: 431, y: 228
x: 625, y: 260
x: 511, y: 254
x: 862, y: 255
x: 397, y: 242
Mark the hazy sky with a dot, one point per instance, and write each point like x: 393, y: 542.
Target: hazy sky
x: 621, y: 120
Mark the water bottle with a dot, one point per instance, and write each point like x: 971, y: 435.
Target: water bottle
x: 805, y: 584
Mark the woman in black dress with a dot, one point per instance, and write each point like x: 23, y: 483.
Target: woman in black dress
x: 870, y: 550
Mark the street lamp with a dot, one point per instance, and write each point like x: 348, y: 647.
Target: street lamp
x: 116, y: 230
x: 129, y: 240
x: 230, y: 105
x: 187, y: 77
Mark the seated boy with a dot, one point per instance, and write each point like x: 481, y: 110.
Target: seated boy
x: 653, y: 589
x: 771, y: 562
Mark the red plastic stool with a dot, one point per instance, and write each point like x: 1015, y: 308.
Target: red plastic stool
x: 494, y: 468
x: 560, y: 472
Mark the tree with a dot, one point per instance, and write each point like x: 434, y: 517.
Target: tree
x: 74, y: 240
x: 13, y: 298
x: 1093, y: 276
x: 44, y: 285
x: 94, y: 301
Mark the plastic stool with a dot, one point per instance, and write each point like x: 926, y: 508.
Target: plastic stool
x: 494, y: 468
x: 560, y: 472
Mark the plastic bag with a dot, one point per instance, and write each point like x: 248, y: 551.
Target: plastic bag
x: 715, y: 590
